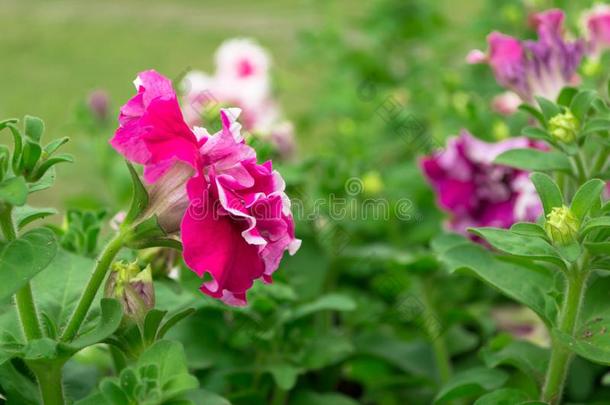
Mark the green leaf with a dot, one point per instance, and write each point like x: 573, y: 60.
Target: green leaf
x: 329, y: 302
x: 151, y: 324
x: 34, y: 127
x: 504, y: 396
x: 529, y: 229
x: 25, y: 215
x: 533, y: 111
x: 595, y: 224
x: 168, y: 356
x: 591, y: 341
x: 549, y: 193
x: 507, y: 276
x: 14, y: 191
x: 6, y: 122
x: 17, y: 387
x: 23, y: 258
x: 581, y: 104
x: 109, y: 321
x: 470, y: 384
x: 67, y: 273
x: 173, y: 320
x: 566, y: 96
x: 525, y: 356
x: 18, y: 141
x: 203, y: 397
x: 534, y: 160
x: 548, y: 108
x: 596, y: 125
x: 113, y: 393
x: 587, y: 195
x: 284, y: 375
x: 55, y: 144
x: 314, y: 398
x: 519, y: 244
x: 139, y: 199
x: 31, y: 154
x: 50, y: 162
x: 412, y: 357
x: 536, y: 133
x: 44, y: 182
x: 598, y: 248
x: 325, y: 350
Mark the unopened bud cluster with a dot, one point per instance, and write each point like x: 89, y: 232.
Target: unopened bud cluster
x: 561, y: 225
x: 563, y: 127
x: 132, y: 287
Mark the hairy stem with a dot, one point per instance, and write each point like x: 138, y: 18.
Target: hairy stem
x: 561, y: 355
x: 50, y: 382
x: 99, y: 273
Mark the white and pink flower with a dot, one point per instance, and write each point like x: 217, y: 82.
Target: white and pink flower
x: 242, y: 79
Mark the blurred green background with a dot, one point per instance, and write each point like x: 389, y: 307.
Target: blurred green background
x: 56, y: 52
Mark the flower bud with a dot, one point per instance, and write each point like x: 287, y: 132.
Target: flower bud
x: 98, y: 103
x: 561, y: 225
x: 168, y: 198
x: 563, y: 127
x: 132, y: 287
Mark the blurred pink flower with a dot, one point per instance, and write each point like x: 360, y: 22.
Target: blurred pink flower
x: 476, y: 191
x: 506, y: 103
x: 596, y: 22
x: 241, y: 79
x: 535, y: 68
x: 232, y: 213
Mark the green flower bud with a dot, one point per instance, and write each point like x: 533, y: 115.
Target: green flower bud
x: 132, y: 287
x: 563, y: 127
x: 561, y: 225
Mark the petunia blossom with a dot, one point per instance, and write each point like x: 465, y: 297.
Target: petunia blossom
x: 152, y: 131
x: 477, y: 192
x: 237, y: 228
x: 231, y: 213
x: 534, y: 68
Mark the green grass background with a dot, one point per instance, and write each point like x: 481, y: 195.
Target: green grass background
x: 55, y: 52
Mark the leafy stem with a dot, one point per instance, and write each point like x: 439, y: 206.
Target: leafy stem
x: 99, y: 273
x: 561, y: 355
x: 23, y: 298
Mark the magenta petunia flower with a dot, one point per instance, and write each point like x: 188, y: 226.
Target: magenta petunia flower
x: 534, y: 68
x: 231, y: 213
x: 151, y: 129
x: 474, y: 190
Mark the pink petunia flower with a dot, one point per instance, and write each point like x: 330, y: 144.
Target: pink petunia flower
x: 534, y: 68
x: 232, y: 213
x: 476, y: 191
